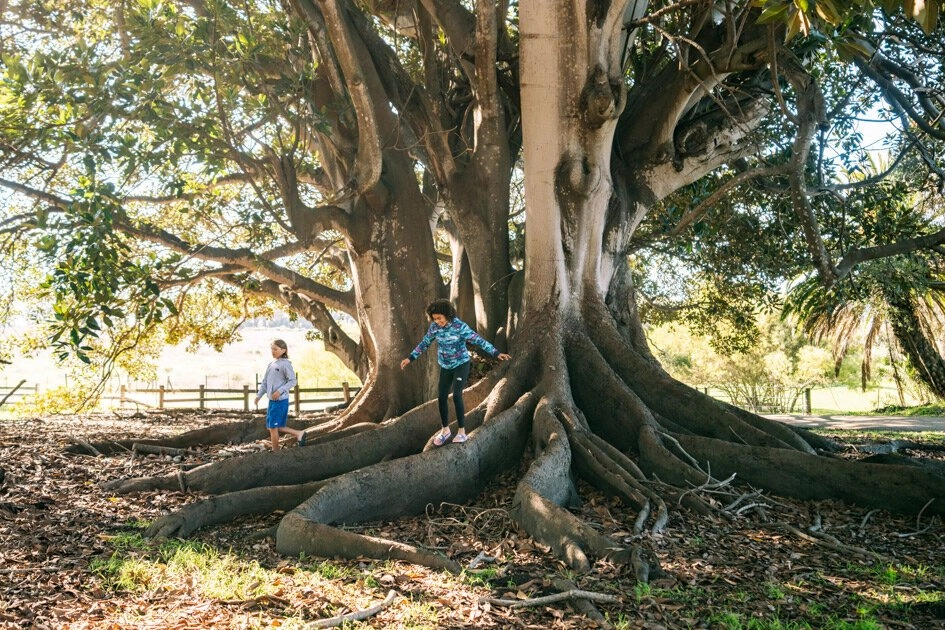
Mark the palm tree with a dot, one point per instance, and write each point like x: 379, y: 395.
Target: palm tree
x: 903, y: 295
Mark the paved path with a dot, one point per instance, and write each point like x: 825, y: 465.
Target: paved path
x: 887, y: 423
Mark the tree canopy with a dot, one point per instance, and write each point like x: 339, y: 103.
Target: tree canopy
x: 168, y: 157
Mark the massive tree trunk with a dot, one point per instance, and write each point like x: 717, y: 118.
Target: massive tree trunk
x: 582, y: 395
x: 395, y: 276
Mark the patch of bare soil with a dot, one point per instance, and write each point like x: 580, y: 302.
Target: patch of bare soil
x: 771, y: 560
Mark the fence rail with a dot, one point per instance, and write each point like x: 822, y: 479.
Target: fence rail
x: 162, y: 397
x: 206, y: 395
x: 19, y: 391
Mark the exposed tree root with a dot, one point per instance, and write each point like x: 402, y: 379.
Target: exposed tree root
x: 226, y: 507
x: 81, y: 447
x: 931, y: 466
x: 231, y: 432
x: 583, y: 605
x: 546, y: 487
x: 674, y: 400
x: 595, y: 407
x: 606, y: 468
x: 398, y: 438
x: 451, y: 473
x: 296, y: 535
x: 898, y: 488
x: 154, y: 449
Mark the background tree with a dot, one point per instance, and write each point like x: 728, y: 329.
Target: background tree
x: 901, y: 292
x: 770, y: 376
x: 366, y: 131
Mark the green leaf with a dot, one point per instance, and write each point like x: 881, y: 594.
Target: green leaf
x: 774, y: 13
x: 828, y: 12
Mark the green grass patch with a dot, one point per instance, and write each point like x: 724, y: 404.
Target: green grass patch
x: 329, y: 570
x: 731, y: 620
x: 486, y: 577
x: 930, y: 437
x: 932, y: 410
x: 136, y: 566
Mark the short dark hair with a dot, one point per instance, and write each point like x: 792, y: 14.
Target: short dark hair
x: 441, y: 307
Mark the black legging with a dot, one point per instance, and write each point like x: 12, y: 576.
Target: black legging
x: 454, y: 379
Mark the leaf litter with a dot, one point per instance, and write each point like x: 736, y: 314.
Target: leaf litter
x: 803, y: 563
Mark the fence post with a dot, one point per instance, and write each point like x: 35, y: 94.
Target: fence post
x: 807, y: 401
x: 10, y: 393
x: 347, y: 392
x: 161, y: 397
x: 245, y: 397
x: 202, y: 387
x: 121, y: 396
x: 295, y: 391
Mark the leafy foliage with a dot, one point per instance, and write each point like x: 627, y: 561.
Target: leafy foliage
x: 862, y: 303
x: 768, y: 376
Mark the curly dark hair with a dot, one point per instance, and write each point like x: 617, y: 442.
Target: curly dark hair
x: 441, y: 307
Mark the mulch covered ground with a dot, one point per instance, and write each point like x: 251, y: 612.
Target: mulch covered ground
x: 772, y: 560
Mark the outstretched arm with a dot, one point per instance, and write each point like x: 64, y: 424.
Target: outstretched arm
x: 421, y: 347
x: 475, y: 338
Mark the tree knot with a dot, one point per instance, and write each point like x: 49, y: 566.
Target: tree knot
x: 601, y: 99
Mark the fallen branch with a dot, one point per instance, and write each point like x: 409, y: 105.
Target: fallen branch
x: 91, y: 449
x: 866, y: 519
x: 918, y: 523
x: 582, y: 605
x: 334, y: 622
x: 548, y: 599
x: 154, y: 449
x: 481, y: 557
x: 829, y: 541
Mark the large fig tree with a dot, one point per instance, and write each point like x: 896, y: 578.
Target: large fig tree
x: 334, y: 133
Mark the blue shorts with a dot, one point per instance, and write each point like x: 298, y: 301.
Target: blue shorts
x: 277, y: 413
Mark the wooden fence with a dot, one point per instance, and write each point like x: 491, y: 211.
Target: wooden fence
x: 207, y: 395
x: 18, y: 391
x: 203, y: 396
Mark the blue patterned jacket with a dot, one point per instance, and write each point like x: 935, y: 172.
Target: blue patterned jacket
x: 451, y: 343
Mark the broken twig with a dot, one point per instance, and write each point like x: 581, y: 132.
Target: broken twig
x: 548, y: 599
x: 334, y: 622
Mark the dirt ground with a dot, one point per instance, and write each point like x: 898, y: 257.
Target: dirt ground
x: 771, y: 561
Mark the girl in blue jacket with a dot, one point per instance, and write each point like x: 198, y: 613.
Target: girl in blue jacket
x: 451, y: 335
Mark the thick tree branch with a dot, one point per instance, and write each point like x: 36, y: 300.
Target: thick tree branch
x: 244, y: 258
x: 881, y: 71
x: 304, y: 221
x: 810, y: 116
x: 904, y: 246
x: 458, y: 24
x: 33, y: 193
x: 696, y: 213
x: 419, y: 121
x: 364, y: 88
